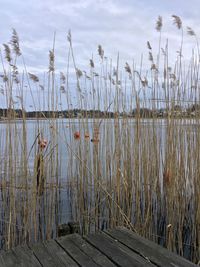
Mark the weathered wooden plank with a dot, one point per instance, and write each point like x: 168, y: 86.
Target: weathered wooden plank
x: 2, y: 262
x: 9, y: 259
x: 89, y: 250
x: 75, y: 252
x: 43, y: 255
x: 64, y: 259
x: 26, y: 256
x: 117, y: 247
x: 155, y: 253
x: 118, y: 253
x: 50, y: 254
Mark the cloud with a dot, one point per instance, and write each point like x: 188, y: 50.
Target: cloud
x: 120, y: 26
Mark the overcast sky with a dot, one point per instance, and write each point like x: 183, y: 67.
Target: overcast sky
x: 118, y: 25
x: 122, y: 26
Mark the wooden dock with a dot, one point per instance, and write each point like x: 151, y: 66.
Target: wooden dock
x: 111, y: 248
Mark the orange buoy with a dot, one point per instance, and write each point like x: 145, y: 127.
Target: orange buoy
x: 87, y: 135
x: 42, y: 143
x: 77, y: 135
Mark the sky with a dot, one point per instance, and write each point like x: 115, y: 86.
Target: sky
x: 122, y: 26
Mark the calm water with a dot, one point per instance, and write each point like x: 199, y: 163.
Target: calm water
x: 29, y: 216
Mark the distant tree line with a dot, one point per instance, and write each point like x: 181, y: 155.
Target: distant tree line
x: 176, y: 111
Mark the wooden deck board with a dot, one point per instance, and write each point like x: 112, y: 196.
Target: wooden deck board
x: 9, y: 259
x: 155, y: 253
x: 50, y: 254
x: 26, y: 256
x: 76, y: 253
x: 42, y: 254
x: 90, y: 251
x: 118, y: 253
x: 63, y: 259
x: 116, y: 247
x: 2, y: 262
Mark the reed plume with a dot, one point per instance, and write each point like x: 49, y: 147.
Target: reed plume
x: 149, y: 46
x: 190, y: 31
x: 69, y: 37
x: 51, y: 61
x: 91, y: 63
x: 33, y: 77
x: 15, y: 43
x: 150, y: 56
x: 159, y: 24
x: 127, y: 68
x: 177, y: 21
x: 79, y: 73
x: 7, y: 53
x: 100, y: 51
x: 62, y: 77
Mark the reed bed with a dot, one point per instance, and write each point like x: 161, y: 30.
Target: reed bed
x: 130, y: 157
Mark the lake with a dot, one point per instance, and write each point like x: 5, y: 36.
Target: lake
x: 140, y: 173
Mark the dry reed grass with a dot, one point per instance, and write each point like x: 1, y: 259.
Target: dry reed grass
x: 142, y: 173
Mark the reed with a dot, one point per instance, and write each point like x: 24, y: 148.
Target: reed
x: 129, y: 157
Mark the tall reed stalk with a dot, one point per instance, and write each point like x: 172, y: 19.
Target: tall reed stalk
x: 127, y: 153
